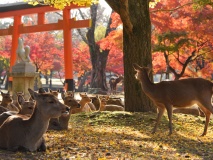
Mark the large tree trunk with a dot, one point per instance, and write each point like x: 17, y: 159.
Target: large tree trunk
x: 98, y: 58
x: 137, y: 49
x: 98, y: 76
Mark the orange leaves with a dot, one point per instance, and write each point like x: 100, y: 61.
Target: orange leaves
x: 81, y: 58
x: 43, y: 49
x: 5, y: 46
x: 116, y: 20
x: 112, y: 42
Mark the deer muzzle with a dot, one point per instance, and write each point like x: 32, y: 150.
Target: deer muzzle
x: 66, y: 111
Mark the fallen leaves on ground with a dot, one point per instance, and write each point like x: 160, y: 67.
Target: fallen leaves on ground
x: 124, y: 136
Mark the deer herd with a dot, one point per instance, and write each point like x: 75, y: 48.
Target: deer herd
x: 23, y: 122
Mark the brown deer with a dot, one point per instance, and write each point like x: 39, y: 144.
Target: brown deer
x: 69, y: 100
x: 7, y: 102
x: 15, y: 99
x: 84, y: 107
x: 55, y: 93
x: 62, y: 122
x: 19, y: 132
x: 192, y: 110
x: 109, y: 107
x: 96, y: 101
x: 179, y: 93
x: 113, y: 84
x: 27, y: 107
x: 3, y: 109
x: 116, y: 101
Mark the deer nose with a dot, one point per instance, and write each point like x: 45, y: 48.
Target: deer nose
x: 68, y: 109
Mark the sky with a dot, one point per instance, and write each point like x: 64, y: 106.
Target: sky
x: 102, y: 2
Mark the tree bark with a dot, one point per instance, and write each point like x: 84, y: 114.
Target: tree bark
x: 137, y: 49
x: 98, y: 58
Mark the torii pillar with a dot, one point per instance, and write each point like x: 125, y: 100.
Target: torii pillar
x: 66, y: 25
x: 68, y: 60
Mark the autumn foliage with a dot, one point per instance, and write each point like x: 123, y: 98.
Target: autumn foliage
x: 167, y: 17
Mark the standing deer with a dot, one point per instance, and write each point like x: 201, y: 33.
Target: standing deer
x: 179, y: 93
x: 21, y: 132
x: 113, y: 84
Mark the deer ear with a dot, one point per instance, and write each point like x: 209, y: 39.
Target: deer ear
x: 136, y: 66
x: 107, y: 98
x: 63, y: 95
x: 41, y: 90
x: 20, y: 99
x: 33, y: 94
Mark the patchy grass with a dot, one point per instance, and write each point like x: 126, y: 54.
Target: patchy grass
x: 124, y: 135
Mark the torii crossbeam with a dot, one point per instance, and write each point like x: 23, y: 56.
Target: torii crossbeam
x: 17, y: 10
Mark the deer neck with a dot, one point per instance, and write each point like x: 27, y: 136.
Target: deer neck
x: 118, y: 79
x: 38, y: 120
x: 102, y: 107
x: 82, y: 103
x: 4, y: 104
x: 146, y: 84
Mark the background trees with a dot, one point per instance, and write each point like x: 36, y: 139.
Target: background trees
x: 131, y: 31
x: 183, y: 35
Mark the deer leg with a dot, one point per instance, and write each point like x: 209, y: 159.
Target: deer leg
x: 42, y: 147
x: 169, y: 112
x: 207, y: 109
x: 160, y: 113
x: 207, y: 114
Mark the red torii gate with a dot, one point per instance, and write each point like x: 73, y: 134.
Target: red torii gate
x: 17, y: 10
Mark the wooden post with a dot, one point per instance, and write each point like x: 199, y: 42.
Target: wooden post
x: 68, y: 59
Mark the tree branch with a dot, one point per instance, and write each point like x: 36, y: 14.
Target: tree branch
x: 169, y: 10
x: 122, y: 8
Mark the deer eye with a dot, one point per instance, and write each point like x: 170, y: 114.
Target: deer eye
x: 51, y: 102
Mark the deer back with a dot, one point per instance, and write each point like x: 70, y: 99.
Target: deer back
x: 19, y: 130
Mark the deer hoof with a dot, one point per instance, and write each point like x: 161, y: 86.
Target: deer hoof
x: 202, y: 135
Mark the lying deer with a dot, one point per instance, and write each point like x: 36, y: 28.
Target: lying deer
x: 21, y: 132
x: 192, y: 110
x: 7, y: 102
x: 62, y: 122
x: 113, y: 100
x: 55, y: 93
x: 96, y: 101
x: 15, y: 99
x: 179, y: 93
x: 109, y: 107
x: 84, y: 107
x: 26, y: 106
